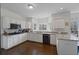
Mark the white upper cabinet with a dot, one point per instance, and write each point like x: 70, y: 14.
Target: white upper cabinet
x: 41, y: 24
x: 43, y: 27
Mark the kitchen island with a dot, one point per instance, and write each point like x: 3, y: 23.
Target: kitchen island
x: 68, y: 46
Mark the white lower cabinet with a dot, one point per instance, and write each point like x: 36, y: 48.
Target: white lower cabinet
x: 24, y: 37
x: 13, y: 40
x: 7, y: 42
x: 38, y: 37
x: 16, y: 39
x: 20, y: 39
x: 67, y: 47
x: 35, y: 37
x: 53, y: 39
x: 4, y: 42
x: 10, y: 41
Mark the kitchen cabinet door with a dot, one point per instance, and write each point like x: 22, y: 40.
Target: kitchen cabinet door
x: 28, y: 36
x: 53, y: 39
x: 25, y: 36
x: 35, y: 37
x: 19, y: 38
x: 39, y: 38
x: 4, y: 42
x: 15, y: 37
x: 10, y: 41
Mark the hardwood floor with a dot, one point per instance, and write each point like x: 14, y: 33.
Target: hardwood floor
x: 31, y: 48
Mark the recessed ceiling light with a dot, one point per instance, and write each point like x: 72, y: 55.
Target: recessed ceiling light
x: 30, y: 6
x: 61, y: 8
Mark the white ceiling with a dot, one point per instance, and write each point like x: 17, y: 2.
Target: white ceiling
x: 42, y: 9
